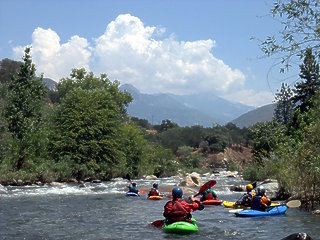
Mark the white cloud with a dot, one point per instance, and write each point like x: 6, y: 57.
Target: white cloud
x: 128, y: 52
x: 53, y: 59
x: 251, y: 97
x: 134, y: 53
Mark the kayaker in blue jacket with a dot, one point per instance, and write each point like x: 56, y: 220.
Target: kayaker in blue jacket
x: 260, y: 202
x: 133, y: 187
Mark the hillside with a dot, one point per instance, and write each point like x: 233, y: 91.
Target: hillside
x: 262, y: 114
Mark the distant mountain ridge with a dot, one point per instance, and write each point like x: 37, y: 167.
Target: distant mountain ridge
x: 188, y: 110
x: 50, y: 84
x: 185, y: 110
x: 261, y: 114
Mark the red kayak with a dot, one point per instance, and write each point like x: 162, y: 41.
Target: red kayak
x: 211, y: 202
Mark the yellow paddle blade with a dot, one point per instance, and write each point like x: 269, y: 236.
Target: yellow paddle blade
x: 293, y: 204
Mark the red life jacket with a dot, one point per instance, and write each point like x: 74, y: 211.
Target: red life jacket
x: 177, y: 212
x: 209, y: 196
x: 153, y: 192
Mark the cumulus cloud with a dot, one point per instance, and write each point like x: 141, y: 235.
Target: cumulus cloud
x: 250, y: 97
x: 129, y: 52
x: 53, y: 59
x: 134, y: 53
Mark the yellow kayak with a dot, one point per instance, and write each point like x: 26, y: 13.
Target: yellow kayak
x: 155, y: 197
x: 232, y: 205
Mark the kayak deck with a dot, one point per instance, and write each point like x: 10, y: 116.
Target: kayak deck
x: 255, y: 213
x: 232, y: 205
x: 181, y: 227
x: 132, y: 194
x: 155, y: 197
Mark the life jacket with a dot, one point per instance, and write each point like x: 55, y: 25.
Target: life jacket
x: 208, y: 196
x: 133, y: 189
x: 256, y: 204
x: 177, y: 212
x: 153, y: 192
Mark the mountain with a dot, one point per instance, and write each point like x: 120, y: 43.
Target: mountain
x: 216, y: 107
x: 157, y: 107
x: 50, y: 84
x: 261, y: 114
x: 186, y: 110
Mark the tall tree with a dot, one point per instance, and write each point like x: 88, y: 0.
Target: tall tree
x: 306, y: 89
x: 284, y: 105
x: 23, y: 109
x: 87, y: 125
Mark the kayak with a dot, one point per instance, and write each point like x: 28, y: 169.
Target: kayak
x: 255, y: 213
x: 181, y: 227
x: 132, y: 194
x: 212, y: 202
x: 232, y: 205
x: 155, y: 197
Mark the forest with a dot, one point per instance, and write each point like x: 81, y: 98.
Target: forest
x: 82, y: 131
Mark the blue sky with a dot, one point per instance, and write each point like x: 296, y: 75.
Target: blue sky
x: 175, y: 46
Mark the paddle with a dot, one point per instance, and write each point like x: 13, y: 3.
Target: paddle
x: 205, y: 186
x: 128, y: 178
x: 290, y: 204
x: 157, y: 223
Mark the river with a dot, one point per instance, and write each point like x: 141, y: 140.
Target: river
x: 102, y: 211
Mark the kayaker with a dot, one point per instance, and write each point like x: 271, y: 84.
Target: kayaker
x: 154, y: 190
x: 246, y: 199
x: 209, y: 194
x: 179, y: 209
x: 260, y: 201
x: 133, y: 187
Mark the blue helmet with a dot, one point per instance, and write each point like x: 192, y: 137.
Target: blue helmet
x: 177, y: 192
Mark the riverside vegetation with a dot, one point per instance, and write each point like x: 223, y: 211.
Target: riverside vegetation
x: 82, y: 130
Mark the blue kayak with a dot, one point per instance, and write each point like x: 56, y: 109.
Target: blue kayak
x: 255, y: 213
x: 132, y: 194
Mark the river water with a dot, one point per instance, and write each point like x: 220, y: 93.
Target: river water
x: 102, y: 211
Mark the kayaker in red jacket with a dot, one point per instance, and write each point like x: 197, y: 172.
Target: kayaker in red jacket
x: 179, y: 209
x: 154, y: 190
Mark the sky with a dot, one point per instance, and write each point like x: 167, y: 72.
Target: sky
x: 166, y: 46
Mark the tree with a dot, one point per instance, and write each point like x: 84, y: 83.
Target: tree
x: 167, y: 124
x: 7, y: 69
x: 284, y: 108
x: 306, y: 89
x: 86, y: 130
x: 24, y: 104
x: 300, y: 20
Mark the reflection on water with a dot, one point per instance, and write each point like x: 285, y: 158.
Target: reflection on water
x: 101, y: 211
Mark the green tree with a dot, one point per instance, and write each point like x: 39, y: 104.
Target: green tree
x: 86, y: 130
x: 284, y: 105
x: 300, y: 20
x: 24, y: 104
x: 306, y: 89
x: 266, y: 136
